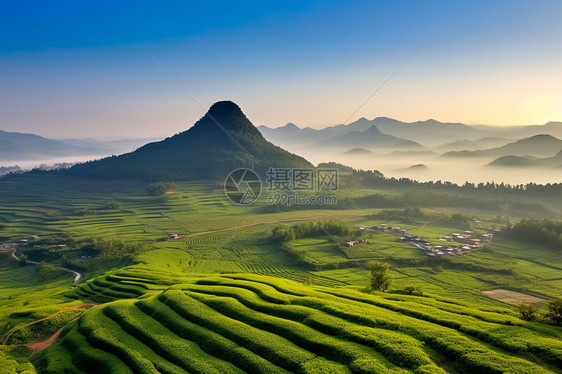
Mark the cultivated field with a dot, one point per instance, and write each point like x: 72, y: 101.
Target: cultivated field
x: 512, y: 297
x: 249, y: 323
x: 226, y: 297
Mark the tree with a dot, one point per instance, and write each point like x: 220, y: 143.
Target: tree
x: 555, y: 311
x: 380, y: 275
x: 528, y: 311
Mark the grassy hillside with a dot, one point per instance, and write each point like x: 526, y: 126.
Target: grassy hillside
x: 248, y: 323
x: 219, y: 237
x: 453, y: 329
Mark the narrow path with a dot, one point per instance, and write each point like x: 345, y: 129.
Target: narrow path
x: 38, y: 345
x: 13, y: 254
x: 12, y: 251
x: 77, y: 275
x: 5, y: 342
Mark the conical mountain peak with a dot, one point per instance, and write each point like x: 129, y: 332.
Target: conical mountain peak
x: 225, y: 106
x: 225, y: 115
x: 223, y: 140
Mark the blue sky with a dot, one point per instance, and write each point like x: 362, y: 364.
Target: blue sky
x: 85, y: 69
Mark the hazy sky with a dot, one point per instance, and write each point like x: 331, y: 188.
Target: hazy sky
x: 84, y: 69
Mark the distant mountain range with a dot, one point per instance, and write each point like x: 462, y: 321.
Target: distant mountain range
x: 18, y: 146
x: 425, y: 132
x: 442, y: 136
x: 112, y: 146
x: 15, y: 146
x: 473, y: 145
x: 221, y: 141
x: 201, y: 151
x: 370, y: 138
x: 527, y: 161
x: 429, y: 133
x: 537, y: 146
x: 385, y: 139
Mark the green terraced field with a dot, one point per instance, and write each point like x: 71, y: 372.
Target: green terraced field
x: 185, y: 306
x: 248, y: 323
x: 222, y: 238
x: 320, y: 250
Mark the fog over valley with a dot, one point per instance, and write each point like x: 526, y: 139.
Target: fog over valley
x: 432, y: 150
x: 424, y: 150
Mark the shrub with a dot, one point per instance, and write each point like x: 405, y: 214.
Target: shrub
x: 528, y: 311
x: 412, y: 290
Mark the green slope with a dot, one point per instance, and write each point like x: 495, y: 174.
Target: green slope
x: 233, y: 323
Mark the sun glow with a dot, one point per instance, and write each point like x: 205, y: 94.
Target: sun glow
x: 543, y: 106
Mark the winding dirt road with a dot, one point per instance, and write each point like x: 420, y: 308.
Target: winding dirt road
x: 5, y: 342
x: 37, y: 345
x: 11, y: 249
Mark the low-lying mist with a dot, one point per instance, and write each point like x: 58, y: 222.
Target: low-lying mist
x: 458, y: 170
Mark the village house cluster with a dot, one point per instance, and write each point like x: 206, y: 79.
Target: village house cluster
x: 466, y: 241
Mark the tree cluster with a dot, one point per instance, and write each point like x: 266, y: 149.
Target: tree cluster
x: 46, y: 272
x: 116, y: 249
x: 530, y: 312
x: 375, y: 179
x: 540, y: 231
x: 160, y: 188
x: 335, y: 230
x: 311, y: 229
x: 419, y: 199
